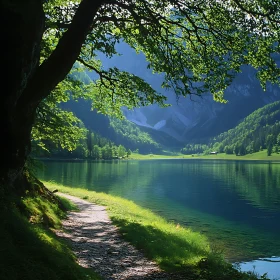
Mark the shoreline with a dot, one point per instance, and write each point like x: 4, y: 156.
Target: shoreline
x: 101, y: 225
x: 97, y: 198
x: 249, y: 157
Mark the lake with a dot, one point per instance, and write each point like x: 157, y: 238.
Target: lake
x: 236, y: 204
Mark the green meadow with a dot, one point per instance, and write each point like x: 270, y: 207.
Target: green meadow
x: 262, y: 155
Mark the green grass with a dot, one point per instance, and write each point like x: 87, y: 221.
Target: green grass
x: 153, y: 156
x: 173, y: 247
x: 262, y: 155
x: 29, y: 249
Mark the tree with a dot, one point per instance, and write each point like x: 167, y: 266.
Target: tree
x: 90, y: 139
x: 107, y: 152
x: 269, y: 144
x: 198, y: 46
x: 129, y: 152
x: 97, y: 152
x: 121, y: 151
x: 228, y: 150
x: 53, y: 125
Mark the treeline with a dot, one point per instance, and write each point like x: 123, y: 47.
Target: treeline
x: 190, y: 149
x: 120, y: 132
x: 72, y: 130
x: 92, y: 146
x: 98, y: 147
x: 130, y: 135
x: 260, y: 130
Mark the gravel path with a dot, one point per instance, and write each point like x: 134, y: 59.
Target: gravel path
x: 98, y: 245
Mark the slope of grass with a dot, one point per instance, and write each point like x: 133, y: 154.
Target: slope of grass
x: 172, y: 246
x: 29, y: 248
x: 262, y: 155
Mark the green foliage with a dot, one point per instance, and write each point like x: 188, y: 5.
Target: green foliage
x: 121, y: 151
x: 54, y: 125
x: 172, y: 246
x: 196, y: 48
x: 260, y: 130
x: 83, y: 143
x: 130, y: 135
x: 29, y: 249
x: 93, y: 147
x: 202, y: 47
x: 194, y: 149
x: 97, y: 152
x: 60, y: 133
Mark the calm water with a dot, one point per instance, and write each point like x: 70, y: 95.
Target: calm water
x: 235, y: 203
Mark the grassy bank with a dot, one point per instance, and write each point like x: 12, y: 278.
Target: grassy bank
x: 262, y: 155
x: 29, y: 248
x: 172, y: 246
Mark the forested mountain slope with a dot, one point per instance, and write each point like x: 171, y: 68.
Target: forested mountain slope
x: 152, y: 128
x: 193, y: 118
x: 121, y: 132
x: 260, y: 130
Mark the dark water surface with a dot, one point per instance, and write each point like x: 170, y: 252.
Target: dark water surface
x: 235, y: 203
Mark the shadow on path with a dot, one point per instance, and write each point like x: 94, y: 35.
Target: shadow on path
x: 97, y: 244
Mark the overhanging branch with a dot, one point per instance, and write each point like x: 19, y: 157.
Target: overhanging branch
x: 54, y: 69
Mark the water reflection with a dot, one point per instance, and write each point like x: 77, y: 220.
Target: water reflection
x: 235, y: 203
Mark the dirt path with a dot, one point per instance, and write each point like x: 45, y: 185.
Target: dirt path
x: 98, y: 244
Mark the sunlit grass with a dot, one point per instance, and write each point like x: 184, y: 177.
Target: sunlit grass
x: 262, y: 155
x: 30, y: 249
x: 172, y: 246
x: 40, y: 211
x: 149, y: 231
x: 154, y: 156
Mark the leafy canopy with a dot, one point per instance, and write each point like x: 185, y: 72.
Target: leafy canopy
x: 55, y: 125
x: 198, y: 46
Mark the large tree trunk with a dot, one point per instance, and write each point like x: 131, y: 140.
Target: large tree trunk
x: 27, y: 84
x: 22, y: 27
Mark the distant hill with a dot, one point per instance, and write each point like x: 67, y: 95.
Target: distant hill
x: 121, y: 132
x: 197, y: 118
x: 260, y: 130
x: 192, y: 119
x: 189, y: 120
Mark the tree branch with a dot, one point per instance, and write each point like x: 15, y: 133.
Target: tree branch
x: 56, y: 67
x: 102, y: 74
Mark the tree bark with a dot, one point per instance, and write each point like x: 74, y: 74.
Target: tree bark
x: 27, y: 82
x: 22, y: 27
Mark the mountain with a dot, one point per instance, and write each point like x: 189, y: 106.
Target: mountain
x: 120, y: 132
x: 192, y: 119
x: 260, y: 130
